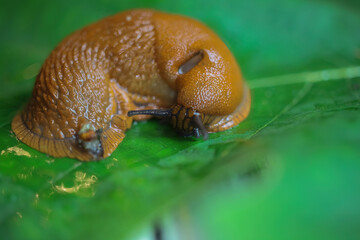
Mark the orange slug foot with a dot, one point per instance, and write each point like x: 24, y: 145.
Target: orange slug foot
x: 65, y: 147
x: 113, y: 136
x: 223, y: 123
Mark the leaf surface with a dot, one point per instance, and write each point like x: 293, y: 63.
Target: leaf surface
x: 299, y: 146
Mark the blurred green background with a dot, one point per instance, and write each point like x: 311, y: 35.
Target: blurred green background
x: 290, y: 171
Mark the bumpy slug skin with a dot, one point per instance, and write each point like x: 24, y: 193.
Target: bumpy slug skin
x: 129, y: 61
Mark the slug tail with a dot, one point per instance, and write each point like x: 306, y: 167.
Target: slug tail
x: 109, y: 139
x: 66, y: 147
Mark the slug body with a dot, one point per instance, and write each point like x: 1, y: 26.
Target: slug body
x: 139, y: 60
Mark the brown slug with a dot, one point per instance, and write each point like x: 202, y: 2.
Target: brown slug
x: 131, y: 66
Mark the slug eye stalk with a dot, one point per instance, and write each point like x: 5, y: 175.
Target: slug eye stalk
x: 199, y: 125
x: 185, y: 120
x: 152, y: 112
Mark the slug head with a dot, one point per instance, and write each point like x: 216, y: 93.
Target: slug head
x: 198, y: 65
x: 186, y: 121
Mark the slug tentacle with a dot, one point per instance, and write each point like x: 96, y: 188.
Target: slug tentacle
x: 151, y: 112
x: 199, y: 125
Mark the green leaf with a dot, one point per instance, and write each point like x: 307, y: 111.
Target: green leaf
x: 290, y: 171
